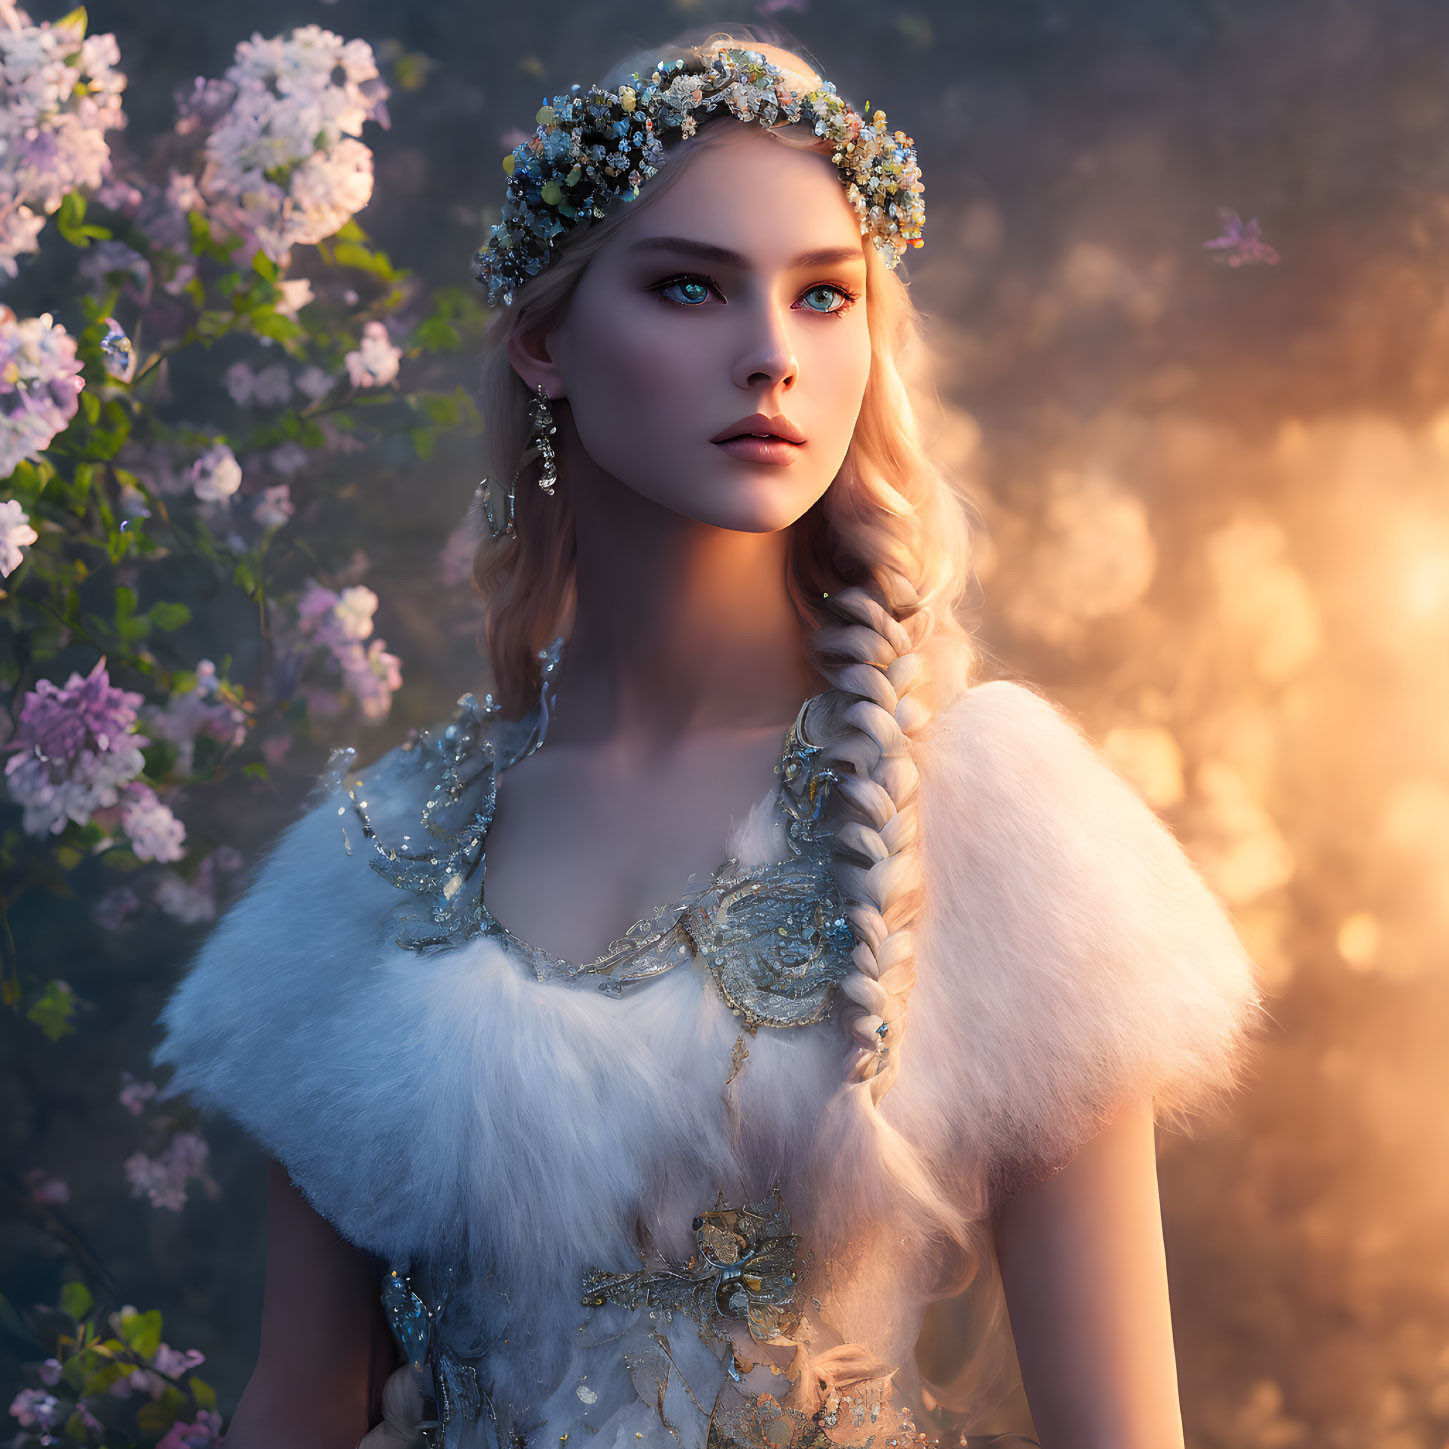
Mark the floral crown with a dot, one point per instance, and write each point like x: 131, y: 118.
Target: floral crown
x: 596, y: 146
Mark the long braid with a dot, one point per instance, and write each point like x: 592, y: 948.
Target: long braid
x: 870, y: 652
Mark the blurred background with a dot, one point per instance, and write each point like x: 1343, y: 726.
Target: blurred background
x: 1215, y: 487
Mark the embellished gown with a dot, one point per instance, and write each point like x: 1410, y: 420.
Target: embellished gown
x: 628, y: 1202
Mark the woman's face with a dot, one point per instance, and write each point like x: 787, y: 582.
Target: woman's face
x: 734, y: 304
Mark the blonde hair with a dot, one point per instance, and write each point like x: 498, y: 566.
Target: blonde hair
x: 877, y: 569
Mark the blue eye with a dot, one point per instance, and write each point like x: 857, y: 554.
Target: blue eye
x: 692, y: 291
x: 823, y: 293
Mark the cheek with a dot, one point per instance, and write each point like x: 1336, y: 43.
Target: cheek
x: 649, y: 379
x: 834, y: 369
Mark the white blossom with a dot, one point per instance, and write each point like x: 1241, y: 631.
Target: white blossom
x: 15, y: 533
x: 40, y: 384
x: 59, y: 95
x: 375, y: 362
x: 282, y: 164
x: 216, y: 475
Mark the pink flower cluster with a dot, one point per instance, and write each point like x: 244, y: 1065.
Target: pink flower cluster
x: 342, y: 622
x: 163, y: 1178
x: 40, y: 382
x: 283, y: 164
x: 59, y: 95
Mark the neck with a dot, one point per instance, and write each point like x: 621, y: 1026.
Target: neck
x: 680, y: 625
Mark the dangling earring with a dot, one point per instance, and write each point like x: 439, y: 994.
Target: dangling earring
x: 540, y: 446
x: 496, y: 530
x: 543, y: 431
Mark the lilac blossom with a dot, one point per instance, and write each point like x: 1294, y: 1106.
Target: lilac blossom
x: 190, y: 902
x: 271, y: 387
x: 274, y: 507
x: 372, y: 677
x: 49, y: 1372
x: 36, y: 1409
x: 40, y: 383
x: 161, y: 465
x: 73, y: 750
x: 282, y: 162
x: 101, y: 259
x: 288, y: 458
x: 313, y: 382
x: 205, y: 1432
x: 216, y: 474
x: 163, y: 1178
x: 154, y: 832
x: 1241, y: 243
x: 115, y: 907
x: 455, y: 558
x: 46, y: 1189
x: 15, y: 534
x: 135, y: 1093
x: 375, y: 362
x: 175, y: 1362
x: 59, y: 95
x: 200, y: 710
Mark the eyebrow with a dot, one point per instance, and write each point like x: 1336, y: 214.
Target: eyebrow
x: 723, y: 256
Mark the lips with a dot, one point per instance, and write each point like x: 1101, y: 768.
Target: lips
x: 776, y: 428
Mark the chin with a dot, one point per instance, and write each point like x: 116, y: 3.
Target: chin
x: 743, y: 506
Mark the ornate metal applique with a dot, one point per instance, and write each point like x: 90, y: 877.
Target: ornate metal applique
x: 774, y: 936
x: 417, y: 1325
x: 746, y: 1267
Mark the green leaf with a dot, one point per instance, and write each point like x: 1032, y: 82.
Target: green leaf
x: 422, y: 441
x: 142, y: 1331
x: 68, y: 856
x: 264, y: 267
x: 77, y: 1300
x: 75, y: 17
x: 354, y: 254
x: 85, y: 477
x: 200, y: 230
x: 435, y: 335
x: 128, y: 625
x: 52, y: 1010
x: 202, y: 1392
x: 245, y: 578
x: 90, y: 407
x: 266, y: 321
x: 168, y: 616
x: 122, y: 859
x: 439, y: 408
x: 11, y: 1321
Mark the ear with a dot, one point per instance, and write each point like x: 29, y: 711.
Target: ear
x: 532, y: 360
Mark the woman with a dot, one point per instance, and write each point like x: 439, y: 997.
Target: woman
x: 698, y: 1178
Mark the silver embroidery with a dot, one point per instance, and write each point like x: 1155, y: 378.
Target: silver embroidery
x: 774, y: 937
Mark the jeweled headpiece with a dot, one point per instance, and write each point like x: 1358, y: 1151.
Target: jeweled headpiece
x: 594, y: 147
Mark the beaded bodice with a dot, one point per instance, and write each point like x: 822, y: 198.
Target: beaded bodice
x: 773, y: 936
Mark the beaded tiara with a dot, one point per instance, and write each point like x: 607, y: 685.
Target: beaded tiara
x: 594, y: 147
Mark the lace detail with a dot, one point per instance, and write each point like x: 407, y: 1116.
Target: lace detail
x: 774, y: 936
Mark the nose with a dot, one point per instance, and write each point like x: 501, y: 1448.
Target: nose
x: 767, y: 355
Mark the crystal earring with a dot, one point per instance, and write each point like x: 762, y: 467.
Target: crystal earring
x: 540, y: 446
x: 496, y: 529
x: 544, y: 428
